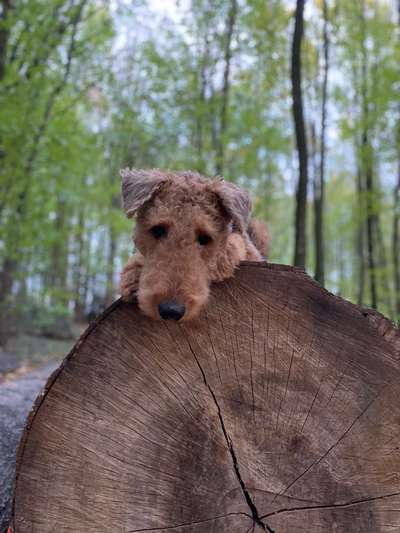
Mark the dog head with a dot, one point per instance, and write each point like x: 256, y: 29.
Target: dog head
x: 183, y: 225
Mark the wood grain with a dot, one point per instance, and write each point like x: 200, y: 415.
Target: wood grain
x: 277, y: 410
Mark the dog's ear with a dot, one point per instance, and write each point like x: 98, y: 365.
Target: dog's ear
x: 235, y: 201
x: 138, y: 187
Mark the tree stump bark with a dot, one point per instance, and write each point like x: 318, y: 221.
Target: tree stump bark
x: 277, y: 410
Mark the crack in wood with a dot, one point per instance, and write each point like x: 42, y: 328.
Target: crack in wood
x: 252, y: 352
x: 331, y: 505
x: 212, y: 346
x: 320, y: 459
x: 254, y: 512
x: 188, y: 524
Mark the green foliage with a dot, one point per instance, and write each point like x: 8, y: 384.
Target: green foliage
x: 90, y: 87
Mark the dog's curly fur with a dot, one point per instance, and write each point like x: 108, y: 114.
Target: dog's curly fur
x: 175, y: 266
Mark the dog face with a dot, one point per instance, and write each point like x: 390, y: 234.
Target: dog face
x: 183, y: 225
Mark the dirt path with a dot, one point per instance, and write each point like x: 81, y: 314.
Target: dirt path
x: 16, y: 398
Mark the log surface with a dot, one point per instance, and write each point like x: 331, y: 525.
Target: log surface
x: 277, y: 410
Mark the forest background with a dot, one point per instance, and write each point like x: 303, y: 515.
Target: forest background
x: 297, y: 101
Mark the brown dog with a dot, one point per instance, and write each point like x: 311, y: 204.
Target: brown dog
x: 190, y: 231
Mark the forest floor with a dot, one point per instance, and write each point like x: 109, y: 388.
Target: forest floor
x: 25, y: 352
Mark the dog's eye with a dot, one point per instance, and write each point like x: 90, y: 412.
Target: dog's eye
x: 203, y: 239
x: 159, y: 231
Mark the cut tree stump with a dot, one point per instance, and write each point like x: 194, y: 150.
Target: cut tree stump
x: 277, y: 410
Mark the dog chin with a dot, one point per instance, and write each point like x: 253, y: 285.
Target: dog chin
x: 149, y: 310
x: 194, y: 307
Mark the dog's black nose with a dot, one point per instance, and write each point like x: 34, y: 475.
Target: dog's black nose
x: 171, y: 310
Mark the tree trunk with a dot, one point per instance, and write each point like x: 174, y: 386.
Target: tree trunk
x: 396, y: 215
x: 370, y: 238
x: 79, y: 271
x: 4, y: 32
x: 9, y: 263
x: 386, y: 297
x: 59, y: 253
x: 279, y: 414
x: 367, y: 165
x: 219, y: 167
x: 202, y: 104
x: 301, y: 140
x: 341, y: 266
x: 315, y: 178
x: 360, y: 237
x: 319, y: 189
x: 8, y: 269
x: 396, y: 238
x: 5, y: 6
x: 110, y: 282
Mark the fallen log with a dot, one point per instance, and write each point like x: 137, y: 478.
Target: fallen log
x: 277, y: 410
x: 16, y: 399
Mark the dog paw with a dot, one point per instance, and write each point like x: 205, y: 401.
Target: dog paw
x: 130, y: 274
x: 129, y: 284
x: 128, y: 294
